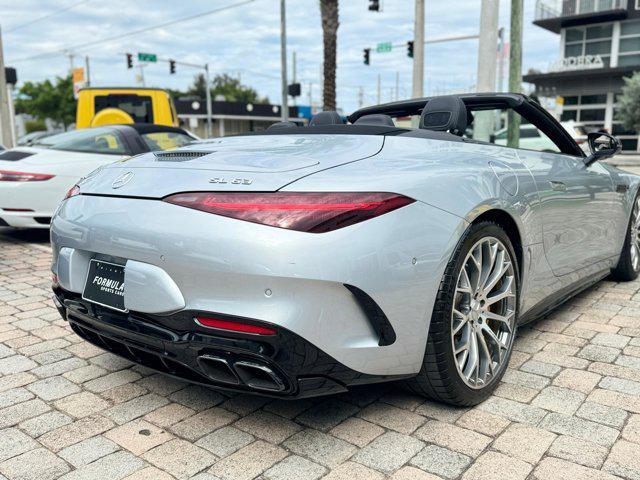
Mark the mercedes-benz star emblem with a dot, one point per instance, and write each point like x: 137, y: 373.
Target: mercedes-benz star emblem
x: 122, y: 180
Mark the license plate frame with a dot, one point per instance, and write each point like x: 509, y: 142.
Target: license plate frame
x: 102, y: 294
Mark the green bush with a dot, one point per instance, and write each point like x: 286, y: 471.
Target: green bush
x: 34, y: 126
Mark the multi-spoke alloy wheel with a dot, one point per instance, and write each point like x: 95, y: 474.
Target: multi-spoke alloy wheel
x: 628, y: 266
x: 634, y: 241
x: 483, y: 313
x: 474, y: 319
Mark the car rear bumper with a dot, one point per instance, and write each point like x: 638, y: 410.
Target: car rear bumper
x: 362, y: 295
x: 25, y: 219
x: 282, y: 365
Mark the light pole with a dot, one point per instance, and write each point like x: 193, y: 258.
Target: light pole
x: 283, y: 60
x: 486, y: 78
x: 515, y: 71
x: 418, y: 51
x: 208, y: 97
x: 5, y: 115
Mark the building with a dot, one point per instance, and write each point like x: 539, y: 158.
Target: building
x: 232, y: 118
x: 599, y: 46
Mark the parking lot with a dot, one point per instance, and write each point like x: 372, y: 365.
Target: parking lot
x: 568, y: 407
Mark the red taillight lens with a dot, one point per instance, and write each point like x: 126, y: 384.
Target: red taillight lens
x: 7, y: 176
x: 73, y: 191
x: 233, y: 326
x: 304, y: 212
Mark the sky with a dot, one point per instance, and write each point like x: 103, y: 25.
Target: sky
x: 242, y: 39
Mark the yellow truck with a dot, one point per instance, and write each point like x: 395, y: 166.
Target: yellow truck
x: 108, y: 106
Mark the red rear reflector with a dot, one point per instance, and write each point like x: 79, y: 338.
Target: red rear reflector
x: 18, y: 210
x: 305, y: 212
x: 73, y: 191
x: 233, y: 326
x: 7, y: 176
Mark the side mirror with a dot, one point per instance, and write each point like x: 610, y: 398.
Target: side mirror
x: 602, y: 145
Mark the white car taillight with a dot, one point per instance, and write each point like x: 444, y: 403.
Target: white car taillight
x: 8, y: 176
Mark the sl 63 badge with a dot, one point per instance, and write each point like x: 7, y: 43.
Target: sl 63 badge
x: 233, y: 181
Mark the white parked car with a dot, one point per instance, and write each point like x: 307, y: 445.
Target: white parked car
x: 531, y: 138
x: 33, y: 180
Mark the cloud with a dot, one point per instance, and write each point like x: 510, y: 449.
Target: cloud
x: 245, y: 41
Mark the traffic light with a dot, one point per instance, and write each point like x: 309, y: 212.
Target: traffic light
x: 374, y: 5
x: 172, y: 67
x: 129, y: 60
x: 294, y: 89
x: 410, y: 49
x: 367, y: 54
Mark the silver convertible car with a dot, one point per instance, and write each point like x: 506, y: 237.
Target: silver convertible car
x: 302, y: 261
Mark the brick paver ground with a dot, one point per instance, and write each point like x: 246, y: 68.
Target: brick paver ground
x: 567, y: 408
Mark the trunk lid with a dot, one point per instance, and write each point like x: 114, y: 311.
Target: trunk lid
x: 248, y: 163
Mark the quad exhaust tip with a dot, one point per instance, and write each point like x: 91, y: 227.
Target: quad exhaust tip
x: 251, y: 374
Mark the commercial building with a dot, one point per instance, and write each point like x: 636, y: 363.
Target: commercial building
x: 599, y: 46
x: 233, y: 118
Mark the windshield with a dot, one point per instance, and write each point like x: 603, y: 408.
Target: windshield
x: 94, y: 140
x: 165, y: 140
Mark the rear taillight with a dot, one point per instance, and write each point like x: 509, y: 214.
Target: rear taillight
x: 72, y: 192
x: 305, y: 212
x: 232, y: 326
x: 7, y: 176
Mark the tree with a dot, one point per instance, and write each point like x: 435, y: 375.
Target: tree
x: 629, y: 103
x: 329, y: 14
x: 47, y: 100
x: 227, y: 86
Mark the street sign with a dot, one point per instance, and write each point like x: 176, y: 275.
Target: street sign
x: 78, y: 80
x: 147, y: 57
x: 384, y: 47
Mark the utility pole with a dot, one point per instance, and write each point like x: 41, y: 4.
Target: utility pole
x: 515, y: 71
x: 71, y: 56
x: 418, y: 51
x: 501, y: 46
x: 283, y: 60
x: 378, y: 97
x: 487, y: 48
x: 360, y: 97
x: 397, y: 85
x: 208, y: 97
x: 5, y: 115
x: 141, y: 67
x: 294, y: 67
x: 87, y: 71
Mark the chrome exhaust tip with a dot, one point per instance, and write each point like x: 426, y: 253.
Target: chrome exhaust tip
x: 218, y: 369
x: 259, y: 377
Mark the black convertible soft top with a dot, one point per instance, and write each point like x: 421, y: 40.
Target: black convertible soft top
x: 525, y: 106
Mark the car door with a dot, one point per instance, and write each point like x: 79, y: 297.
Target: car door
x: 579, y: 209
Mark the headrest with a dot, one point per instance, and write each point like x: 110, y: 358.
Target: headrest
x: 281, y: 126
x: 376, y: 119
x: 326, y: 118
x: 445, y: 114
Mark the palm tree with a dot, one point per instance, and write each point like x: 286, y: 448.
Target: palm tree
x: 329, y: 14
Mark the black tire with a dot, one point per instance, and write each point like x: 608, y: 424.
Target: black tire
x: 625, y: 270
x: 439, y: 378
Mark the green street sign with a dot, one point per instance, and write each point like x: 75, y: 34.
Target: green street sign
x: 384, y: 47
x: 147, y: 57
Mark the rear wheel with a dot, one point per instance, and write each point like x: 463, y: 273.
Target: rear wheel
x: 474, y: 320
x: 628, y: 266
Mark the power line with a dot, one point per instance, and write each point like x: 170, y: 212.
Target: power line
x: 134, y: 32
x: 44, y: 17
